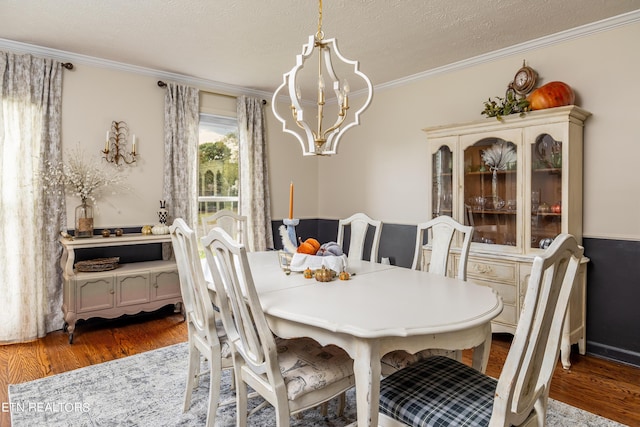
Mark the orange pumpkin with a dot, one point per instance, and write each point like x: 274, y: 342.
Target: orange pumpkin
x: 313, y: 242
x: 553, y: 94
x: 309, y: 247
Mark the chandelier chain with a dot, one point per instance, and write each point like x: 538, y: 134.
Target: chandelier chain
x: 319, y: 34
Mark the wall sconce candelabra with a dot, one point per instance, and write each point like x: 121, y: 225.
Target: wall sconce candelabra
x: 115, y: 148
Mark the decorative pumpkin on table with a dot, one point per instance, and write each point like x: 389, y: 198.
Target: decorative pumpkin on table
x: 309, y: 246
x: 325, y: 274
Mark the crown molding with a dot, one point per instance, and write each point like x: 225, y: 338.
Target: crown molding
x: 518, y: 49
x: 227, y: 89
x: 75, y: 58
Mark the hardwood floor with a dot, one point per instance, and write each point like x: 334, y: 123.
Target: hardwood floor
x: 606, y: 388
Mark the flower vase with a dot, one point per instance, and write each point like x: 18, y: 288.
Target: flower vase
x: 84, y: 220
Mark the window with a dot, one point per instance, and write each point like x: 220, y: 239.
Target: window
x: 218, y: 178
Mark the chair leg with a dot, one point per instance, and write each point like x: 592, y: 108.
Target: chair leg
x: 282, y: 415
x: 192, y: 375
x: 215, y: 372
x: 324, y: 409
x: 342, y: 403
x: 241, y: 402
x: 233, y: 382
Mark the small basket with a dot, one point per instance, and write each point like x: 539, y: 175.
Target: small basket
x: 98, y: 264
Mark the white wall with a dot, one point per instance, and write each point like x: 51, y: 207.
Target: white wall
x: 91, y: 99
x: 381, y: 168
x: 382, y: 165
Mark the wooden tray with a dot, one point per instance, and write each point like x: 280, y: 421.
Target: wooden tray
x: 98, y: 264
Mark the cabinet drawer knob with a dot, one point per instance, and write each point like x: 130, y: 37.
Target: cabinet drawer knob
x: 112, y: 292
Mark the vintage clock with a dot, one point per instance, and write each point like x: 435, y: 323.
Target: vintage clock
x: 524, y: 80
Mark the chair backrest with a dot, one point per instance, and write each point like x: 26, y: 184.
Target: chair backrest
x: 441, y: 230
x: 242, y: 315
x: 359, y: 224
x: 235, y: 225
x: 195, y: 293
x: 524, y: 382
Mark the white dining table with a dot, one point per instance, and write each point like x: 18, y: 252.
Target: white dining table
x: 380, y: 309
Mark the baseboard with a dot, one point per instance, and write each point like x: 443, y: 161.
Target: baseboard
x: 613, y: 353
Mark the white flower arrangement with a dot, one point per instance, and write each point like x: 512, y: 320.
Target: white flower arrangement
x: 86, y: 179
x: 499, y: 155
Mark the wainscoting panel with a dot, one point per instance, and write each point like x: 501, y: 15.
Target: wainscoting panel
x: 613, y: 299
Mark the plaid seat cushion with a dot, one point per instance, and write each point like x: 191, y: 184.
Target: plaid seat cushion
x: 438, y: 391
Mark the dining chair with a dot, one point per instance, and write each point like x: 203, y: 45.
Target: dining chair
x: 235, y: 225
x: 206, y: 336
x: 444, y: 392
x: 441, y: 230
x: 359, y: 224
x: 290, y: 374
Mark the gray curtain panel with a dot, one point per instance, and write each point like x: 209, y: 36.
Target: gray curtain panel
x: 255, y: 202
x: 30, y: 219
x: 181, y: 121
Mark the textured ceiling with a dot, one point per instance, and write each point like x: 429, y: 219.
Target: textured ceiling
x: 251, y: 44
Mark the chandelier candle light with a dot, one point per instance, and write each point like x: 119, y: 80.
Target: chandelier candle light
x: 320, y: 141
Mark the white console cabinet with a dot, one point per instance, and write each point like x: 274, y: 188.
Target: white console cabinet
x: 129, y: 289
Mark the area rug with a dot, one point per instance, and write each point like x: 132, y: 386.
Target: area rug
x: 147, y: 390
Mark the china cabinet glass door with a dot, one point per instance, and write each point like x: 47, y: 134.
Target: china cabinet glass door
x: 546, y: 190
x: 490, y: 191
x: 442, y: 179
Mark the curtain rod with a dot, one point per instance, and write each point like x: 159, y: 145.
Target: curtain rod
x: 163, y: 84
x: 67, y: 65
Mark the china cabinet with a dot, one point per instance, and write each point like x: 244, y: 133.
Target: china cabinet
x: 128, y: 289
x: 518, y: 181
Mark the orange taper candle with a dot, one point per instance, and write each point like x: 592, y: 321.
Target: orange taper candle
x: 291, y: 200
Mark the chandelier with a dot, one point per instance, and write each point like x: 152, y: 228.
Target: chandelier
x: 315, y: 136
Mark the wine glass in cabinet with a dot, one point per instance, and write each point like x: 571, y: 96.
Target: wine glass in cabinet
x: 546, y: 190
